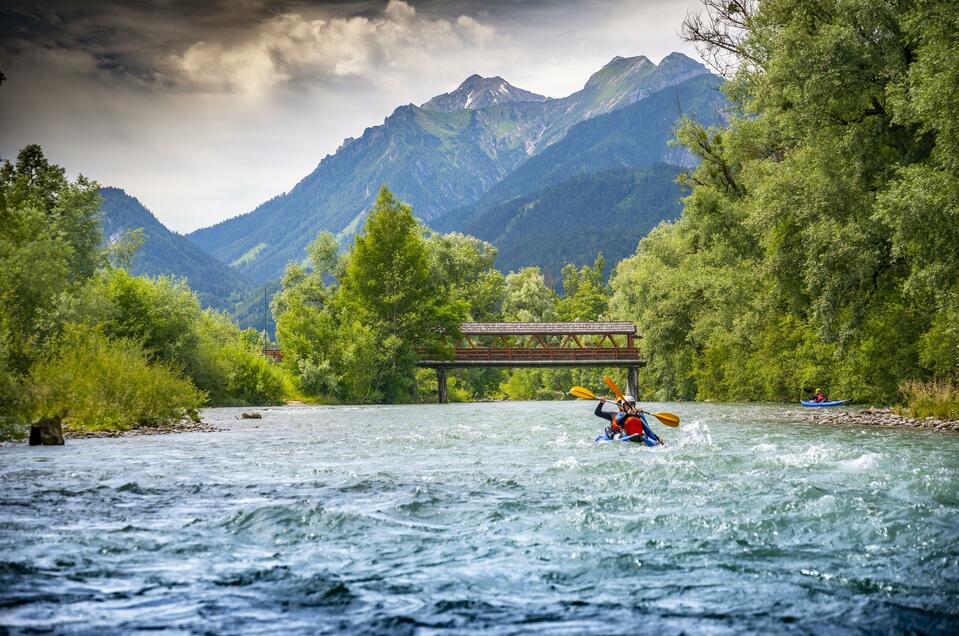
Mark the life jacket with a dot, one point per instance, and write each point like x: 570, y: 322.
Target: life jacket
x: 629, y: 423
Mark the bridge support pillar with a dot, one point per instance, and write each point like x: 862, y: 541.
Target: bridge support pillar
x: 632, y: 382
x: 442, y: 397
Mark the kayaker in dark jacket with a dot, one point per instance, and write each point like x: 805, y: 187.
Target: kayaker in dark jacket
x: 628, y: 422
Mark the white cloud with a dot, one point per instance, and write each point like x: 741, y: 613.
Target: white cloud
x: 295, y: 47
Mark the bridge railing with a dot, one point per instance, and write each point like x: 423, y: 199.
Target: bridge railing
x: 545, y: 354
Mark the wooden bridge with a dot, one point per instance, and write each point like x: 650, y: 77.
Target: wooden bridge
x: 543, y: 344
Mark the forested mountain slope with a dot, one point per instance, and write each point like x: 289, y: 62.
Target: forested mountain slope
x: 630, y: 137
x: 572, y: 221
x: 170, y: 254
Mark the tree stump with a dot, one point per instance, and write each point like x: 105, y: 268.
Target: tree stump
x: 47, y: 432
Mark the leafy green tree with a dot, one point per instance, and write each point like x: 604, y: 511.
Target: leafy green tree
x: 49, y: 245
x: 585, y: 293
x: 305, y: 325
x: 389, y: 289
x: 528, y: 298
x: 352, y: 327
x: 463, y: 265
x: 818, y: 242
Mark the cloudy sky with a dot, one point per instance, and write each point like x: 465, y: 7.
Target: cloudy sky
x: 203, y: 110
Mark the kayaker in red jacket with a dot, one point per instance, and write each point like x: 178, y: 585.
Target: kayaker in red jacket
x: 820, y: 396
x: 628, y: 422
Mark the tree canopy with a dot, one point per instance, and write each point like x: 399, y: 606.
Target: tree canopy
x: 820, y: 241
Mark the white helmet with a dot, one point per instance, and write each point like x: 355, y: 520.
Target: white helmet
x: 629, y: 399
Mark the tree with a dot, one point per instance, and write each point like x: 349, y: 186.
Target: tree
x: 818, y: 243
x: 463, y: 265
x: 585, y: 293
x: 528, y: 298
x: 352, y: 328
x: 49, y: 245
x: 388, y: 288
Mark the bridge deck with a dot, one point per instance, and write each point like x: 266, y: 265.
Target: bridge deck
x: 549, y: 357
x: 544, y: 344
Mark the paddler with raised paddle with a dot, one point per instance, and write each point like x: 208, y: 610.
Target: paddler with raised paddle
x: 629, y: 423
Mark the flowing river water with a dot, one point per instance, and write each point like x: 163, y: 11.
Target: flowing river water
x: 498, y: 518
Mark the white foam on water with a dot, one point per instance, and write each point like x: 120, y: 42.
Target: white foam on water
x: 863, y: 462
x: 696, y: 433
x: 808, y: 457
x: 568, y: 463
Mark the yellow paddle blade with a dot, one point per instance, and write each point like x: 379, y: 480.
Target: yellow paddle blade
x: 612, y: 387
x: 582, y: 392
x: 667, y: 418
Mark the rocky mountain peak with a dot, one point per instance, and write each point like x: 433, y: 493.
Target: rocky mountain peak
x: 620, y: 68
x: 677, y: 62
x: 480, y: 92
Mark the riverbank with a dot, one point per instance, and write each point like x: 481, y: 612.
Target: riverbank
x: 166, y: 429
x: 883, y: 417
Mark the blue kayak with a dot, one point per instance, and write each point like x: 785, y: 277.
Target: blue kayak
x: 636, y: 439
x: 830, y: 403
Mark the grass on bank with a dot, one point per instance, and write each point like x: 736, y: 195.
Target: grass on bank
x: 98, y: 383
x: 936, y: 398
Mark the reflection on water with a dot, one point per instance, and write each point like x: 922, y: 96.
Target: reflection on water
x: 496, y: 517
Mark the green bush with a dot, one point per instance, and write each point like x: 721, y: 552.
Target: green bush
x: 96, y: 382
x: 251, y: 378
x: 938, y: 398
x: 166, y: 318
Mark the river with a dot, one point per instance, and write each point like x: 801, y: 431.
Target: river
x: 502, y: 518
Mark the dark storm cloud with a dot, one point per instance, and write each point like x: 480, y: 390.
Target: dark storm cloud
x: 138, y: 40
x: 133, y: 38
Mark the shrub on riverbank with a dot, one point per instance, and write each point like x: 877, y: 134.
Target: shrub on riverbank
x: 81, y: 337
x: 96, y: 383
x: 938, y: 399
x: 166, y: 318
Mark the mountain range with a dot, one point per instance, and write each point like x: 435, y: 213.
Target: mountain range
x: 166, y: 253
x: 462, y: 147
x: 546, y: 180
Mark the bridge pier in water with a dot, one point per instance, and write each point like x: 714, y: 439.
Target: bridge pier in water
x: 442, y: 398
x: 632, y: 382
x: 543, y: 344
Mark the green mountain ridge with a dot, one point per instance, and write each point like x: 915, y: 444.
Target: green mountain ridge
x: 630, y: 137
x: 433, y: 159
x: 615, y: 171
x: 166, y: 253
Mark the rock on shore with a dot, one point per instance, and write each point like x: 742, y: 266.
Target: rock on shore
x: 883, y: 417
